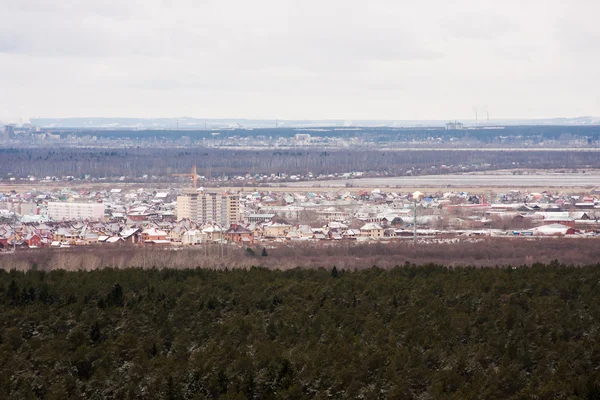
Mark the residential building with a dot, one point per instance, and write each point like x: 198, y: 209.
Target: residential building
x: 260, y: 217
x: 65, y: 211
x: 276, y: 229
x: 213, y: 233
x: 155, y: 236
x: 220, y: 208
x: 237, y: 233
x: 193, y: 237
x: 331, y: 214
x: 133, y: 235
x: 372, y: 230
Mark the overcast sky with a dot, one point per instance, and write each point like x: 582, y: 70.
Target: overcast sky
x: 299, y: 59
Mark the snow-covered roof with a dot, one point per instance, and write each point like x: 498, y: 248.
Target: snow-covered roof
x: 552, y: 229
x: 370, y: 226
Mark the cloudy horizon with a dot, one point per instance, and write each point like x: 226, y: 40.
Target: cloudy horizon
x: 288, y: 59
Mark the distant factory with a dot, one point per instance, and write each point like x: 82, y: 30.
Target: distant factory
x: 454, y: 126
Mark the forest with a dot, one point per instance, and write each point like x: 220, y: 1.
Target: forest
x: 414, y: 332
x: 135, y: 163
x: 377, y: 134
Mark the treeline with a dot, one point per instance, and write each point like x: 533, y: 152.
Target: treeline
x: 538, y: 133
x: 213, y: 163
x: 410, y: 332
x: 488, y: 252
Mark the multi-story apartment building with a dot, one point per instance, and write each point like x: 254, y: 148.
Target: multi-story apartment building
x: 58, y: 211
x: 203, y: 207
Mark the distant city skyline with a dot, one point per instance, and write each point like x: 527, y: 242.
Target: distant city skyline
x: 300, y: 60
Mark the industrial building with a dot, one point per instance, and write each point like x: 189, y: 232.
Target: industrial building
x: 454, y: 126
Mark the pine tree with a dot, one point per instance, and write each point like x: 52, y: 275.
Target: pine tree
x: 115, y: 297
x: 13, y: 293
x: 95, y: 334
x: 334, y: 272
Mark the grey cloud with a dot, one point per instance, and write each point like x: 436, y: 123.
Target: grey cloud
x: 302, y: 57
x: 330, y: 37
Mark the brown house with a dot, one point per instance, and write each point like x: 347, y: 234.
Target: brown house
x: 133, y: 235
x: 238, y: 234
x: 33, y: 240
x: 153, y: 234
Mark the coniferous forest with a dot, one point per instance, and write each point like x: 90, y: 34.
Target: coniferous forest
x: 420, y: 332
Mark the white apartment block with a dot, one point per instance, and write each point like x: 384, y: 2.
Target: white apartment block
x: 58, y: 211
x: 222, y: 208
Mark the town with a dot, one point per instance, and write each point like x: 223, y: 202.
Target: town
x: 187, y: 217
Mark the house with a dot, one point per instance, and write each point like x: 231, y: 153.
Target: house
x: 114, y: 240
x: 305, y: 231
x: 153, y: 234
x: 176, y: 235
x: 65, y: 235
x: 337, y: 226
x: 391, y: 220
x: 213, y: 232
x: 33, y: 240
x: 351, y: 234
x: 276, y: 229
x: 169, y: 216
x: 335, y: 235
x: 89, y: 238
x: 372, y: 230
x: 193, y: 237
x: 580, y: 215
x: 256, y: 228
x: 237, y: 233
x: 404, y: 233
x: 139, y: 216
x: 133, y: 235
x: 293, y: 235
x: 332, y: 214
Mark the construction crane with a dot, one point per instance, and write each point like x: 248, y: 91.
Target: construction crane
x: 192, y: 175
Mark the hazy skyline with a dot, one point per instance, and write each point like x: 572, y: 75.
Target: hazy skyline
x: 393, y: 60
